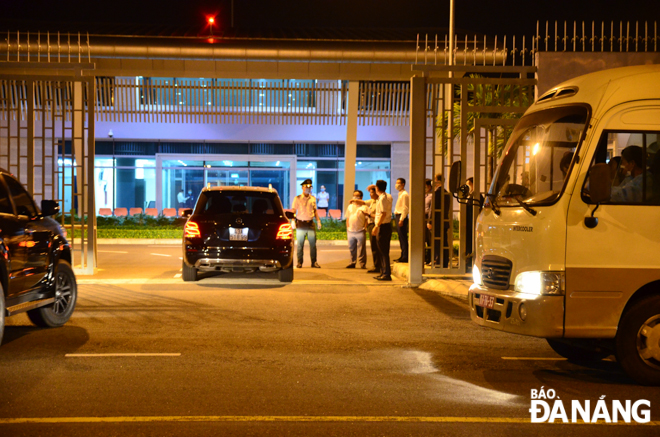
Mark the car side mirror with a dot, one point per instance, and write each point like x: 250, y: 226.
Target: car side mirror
x: 455, y: 177
x: 186, y: 213
x: 289, y: 214
x: 49, y: 207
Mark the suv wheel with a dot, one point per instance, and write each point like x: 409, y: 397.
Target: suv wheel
x: 66, y: 294
x: 638, y: 341
x: 286, y: 275
x: 189, y: 273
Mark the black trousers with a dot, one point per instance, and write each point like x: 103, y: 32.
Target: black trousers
x: 403, y: 237
x: 375, y: 253
x: 384, y: 238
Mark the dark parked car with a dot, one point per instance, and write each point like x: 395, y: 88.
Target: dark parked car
x: 35, y: 259
x: 238, y: 229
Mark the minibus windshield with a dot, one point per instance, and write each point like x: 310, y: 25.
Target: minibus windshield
x: 539, y: 157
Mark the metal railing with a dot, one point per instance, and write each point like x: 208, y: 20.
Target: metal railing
x: 217, y: 101
x: 638, y: 36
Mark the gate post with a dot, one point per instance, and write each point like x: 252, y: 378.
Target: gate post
x: 350, y: 150
x: 417, y: 178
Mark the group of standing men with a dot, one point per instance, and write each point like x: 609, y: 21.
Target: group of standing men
x: 376, y: 214
x: 374, y: 217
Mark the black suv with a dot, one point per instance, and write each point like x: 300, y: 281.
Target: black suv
x: 35, y: 259
x: 238, y: 229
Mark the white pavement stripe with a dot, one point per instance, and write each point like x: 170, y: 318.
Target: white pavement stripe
x: 543, y: 359
x: 111, y: 251
x: 120, y: 355
x: 159, y: 254
x: 233, y: 281
x: 534, y: 358
x: 178, y: 275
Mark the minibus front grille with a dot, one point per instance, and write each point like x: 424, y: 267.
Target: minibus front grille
x: 496, y: 272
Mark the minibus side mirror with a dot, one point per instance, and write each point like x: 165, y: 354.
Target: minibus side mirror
x: 186, y: 213
x: 600, y: 183
x: 289, y: 214
x: 455, y: 177
x: 600, y: 190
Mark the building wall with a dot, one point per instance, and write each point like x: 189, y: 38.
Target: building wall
x: 248, y: 132
x: 557, y: 67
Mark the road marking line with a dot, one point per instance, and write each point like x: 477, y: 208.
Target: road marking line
x: 111, y: 251
x: 545, y: 359
x: 178, y: 275
x: 230, y: 281
x: 400, y: 419
x: 160, y: 254
x: 120, y: 355
x: 534, y: 358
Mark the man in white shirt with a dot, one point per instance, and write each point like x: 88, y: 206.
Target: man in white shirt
x: 356, y: 224
x: 383, y: 229
x: 371, y: 219
x: 181, y: 198
x: 304, y: 207
x: 401, y: 211
x: 322, y: 198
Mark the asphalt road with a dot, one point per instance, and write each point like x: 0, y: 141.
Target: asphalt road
x: 334, y: 353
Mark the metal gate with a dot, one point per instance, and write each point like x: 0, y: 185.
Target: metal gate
x: 47, y: 142
x: 472, y: 111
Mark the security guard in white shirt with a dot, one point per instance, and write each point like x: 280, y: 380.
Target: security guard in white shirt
x: 304, y: 207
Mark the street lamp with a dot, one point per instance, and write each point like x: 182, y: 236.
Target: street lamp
x: 211, y: 20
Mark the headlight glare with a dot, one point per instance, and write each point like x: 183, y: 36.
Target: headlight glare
x: 540, y: 283
x: 476, y: 275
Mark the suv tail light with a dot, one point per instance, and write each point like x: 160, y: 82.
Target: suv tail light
x: 285, y: 232
x: 191, y: 230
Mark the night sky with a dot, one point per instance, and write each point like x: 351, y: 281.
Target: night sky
x: 477, y: 16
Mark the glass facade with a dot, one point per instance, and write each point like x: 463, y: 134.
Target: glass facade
x: 174, y: 180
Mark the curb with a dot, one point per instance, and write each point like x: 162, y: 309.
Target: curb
x: 449, y: 286
x: 177, y: 241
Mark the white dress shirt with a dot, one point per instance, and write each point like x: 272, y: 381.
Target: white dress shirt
x: 384, y: 209
x: 402, y: 205
x: 356, y: 218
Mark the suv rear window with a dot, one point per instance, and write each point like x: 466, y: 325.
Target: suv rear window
x: 238, y: 202
x: 5, y: 204
x: 22, y: 200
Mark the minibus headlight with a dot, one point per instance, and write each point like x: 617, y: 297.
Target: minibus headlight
x: 540, y: 283
x: 476, y: 275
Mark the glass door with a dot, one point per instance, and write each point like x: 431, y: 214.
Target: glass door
x: 231, y: 177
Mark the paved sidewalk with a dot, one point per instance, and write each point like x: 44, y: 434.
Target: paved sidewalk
x: 177, y: 241
x: 448, y: 285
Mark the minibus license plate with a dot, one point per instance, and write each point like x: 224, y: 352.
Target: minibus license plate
x: 238, y: 234
x: 486, y: 301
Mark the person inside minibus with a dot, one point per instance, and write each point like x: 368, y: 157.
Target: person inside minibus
x: 631, y: 189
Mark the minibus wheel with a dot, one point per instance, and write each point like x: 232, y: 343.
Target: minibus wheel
x: 578, y: 349
x: 638, y: 341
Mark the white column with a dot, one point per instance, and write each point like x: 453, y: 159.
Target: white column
x: 417, y: 180
x: 351, y: 141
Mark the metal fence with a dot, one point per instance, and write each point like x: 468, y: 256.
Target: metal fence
x: 638, y: 36
x: 218, y: 101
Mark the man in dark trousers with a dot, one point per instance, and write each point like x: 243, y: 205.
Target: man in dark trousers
x: 371, y: 204
x: 383, y: 229
x: 401, y: 211
x: 441, y: 219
